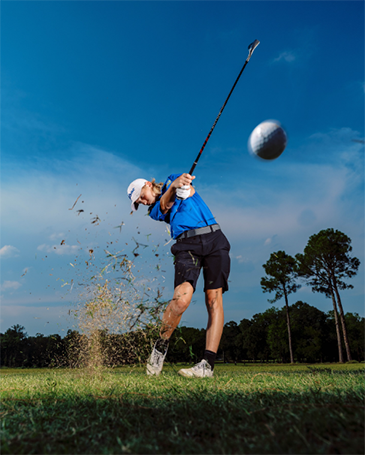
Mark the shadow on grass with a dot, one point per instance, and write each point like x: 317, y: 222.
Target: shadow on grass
x: 186, y: 421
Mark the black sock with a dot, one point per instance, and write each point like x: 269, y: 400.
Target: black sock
x: 162, y: 344
x: 210, y: 356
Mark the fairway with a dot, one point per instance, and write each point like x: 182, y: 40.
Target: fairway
x: 259, y: 409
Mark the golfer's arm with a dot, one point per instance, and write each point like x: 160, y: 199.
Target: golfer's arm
x: 168, y: 199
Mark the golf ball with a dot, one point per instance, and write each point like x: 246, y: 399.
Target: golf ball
x: 268, y: 140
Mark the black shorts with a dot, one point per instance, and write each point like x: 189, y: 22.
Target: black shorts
x: 208, y: 251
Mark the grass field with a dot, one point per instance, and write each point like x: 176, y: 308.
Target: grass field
x: 244, y: 409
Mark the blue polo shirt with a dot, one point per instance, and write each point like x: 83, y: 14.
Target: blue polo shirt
x: 184, y: 215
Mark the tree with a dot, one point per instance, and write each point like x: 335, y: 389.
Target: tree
x: 281, y: 271
x: 241, y: 339
x: 277, y: 337
x: 228, y: 342
x: 45, y: 351
x: 355, y: 331
x: 13, y: 344
x: 256, y: 339
x: 324, y: 264
x: 309, y: 332
x: 187, y: 344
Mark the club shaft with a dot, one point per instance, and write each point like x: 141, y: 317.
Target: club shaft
x: 254, y: 44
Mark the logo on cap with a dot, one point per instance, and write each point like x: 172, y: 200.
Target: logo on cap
x: 130, y: 194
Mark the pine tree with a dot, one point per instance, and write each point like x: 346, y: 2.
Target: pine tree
x: 325, y: 263
x: 280, y: 269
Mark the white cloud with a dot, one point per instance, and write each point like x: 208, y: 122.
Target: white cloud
x: 59, y: 249
x: 52, y: 299
x: 9, y: 251
x: 10, y: 285
x: 287, y: 56
x: 56, y: 236
x: 311, y: 199
x: 45, y: 195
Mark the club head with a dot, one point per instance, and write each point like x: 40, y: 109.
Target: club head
x: 252, y: 47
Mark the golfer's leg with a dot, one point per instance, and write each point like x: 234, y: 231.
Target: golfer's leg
x: 214, y: 303
x: 175, y: 309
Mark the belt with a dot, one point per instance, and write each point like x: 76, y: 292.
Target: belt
x: 199, y: 231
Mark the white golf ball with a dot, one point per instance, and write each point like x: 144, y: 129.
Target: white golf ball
x: 268, y: 140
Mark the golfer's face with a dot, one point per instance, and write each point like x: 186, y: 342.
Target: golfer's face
x: 147, y: 196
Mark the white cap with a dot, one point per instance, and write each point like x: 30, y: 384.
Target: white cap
x: 134, y: 191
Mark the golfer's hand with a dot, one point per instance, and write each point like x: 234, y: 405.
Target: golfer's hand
x: 183, y: 180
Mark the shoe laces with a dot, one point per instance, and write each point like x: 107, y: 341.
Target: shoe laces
x: 202, y: 365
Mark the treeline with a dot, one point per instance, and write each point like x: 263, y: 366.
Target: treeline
x: 262, y: 338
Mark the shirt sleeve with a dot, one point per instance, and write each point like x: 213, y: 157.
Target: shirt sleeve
x: 155, y: 212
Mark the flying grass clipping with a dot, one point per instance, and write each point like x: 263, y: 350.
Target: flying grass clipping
x: 119, y: 304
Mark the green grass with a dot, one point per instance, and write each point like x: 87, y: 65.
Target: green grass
x: 253, y: 409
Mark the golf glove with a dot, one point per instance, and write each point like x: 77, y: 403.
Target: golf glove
x: 183, y: 192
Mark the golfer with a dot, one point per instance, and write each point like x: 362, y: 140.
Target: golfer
x: 200, y: 244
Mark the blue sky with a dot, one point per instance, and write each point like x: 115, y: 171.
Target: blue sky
x: 96, y: 94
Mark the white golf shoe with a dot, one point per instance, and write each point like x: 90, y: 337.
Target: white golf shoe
x: 155, y: 362
x: 200, y: 370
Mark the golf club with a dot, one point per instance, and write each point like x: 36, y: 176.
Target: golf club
x: 251, y: 48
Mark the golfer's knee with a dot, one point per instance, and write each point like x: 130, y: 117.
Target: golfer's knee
x: 181, y: 301
x: 181, y: 304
